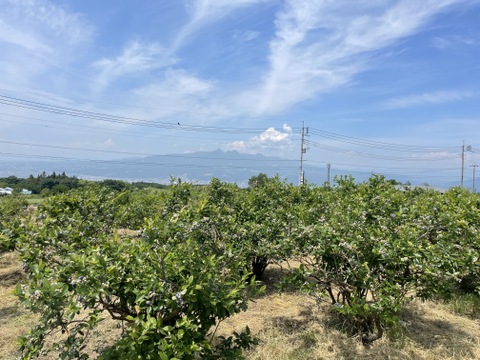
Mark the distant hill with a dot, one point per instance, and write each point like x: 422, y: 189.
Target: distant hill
x: 200, y: 167
x: 230, y: 166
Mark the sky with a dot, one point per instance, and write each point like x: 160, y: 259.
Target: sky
x: 380, y: 86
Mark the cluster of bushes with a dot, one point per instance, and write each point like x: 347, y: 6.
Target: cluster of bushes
x: 371, y: 247
x: 53, y: 184
x: 42, y: 184
x: 366, y: 248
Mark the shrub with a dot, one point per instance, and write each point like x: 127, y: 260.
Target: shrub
x: 374, y: 247
x: 12, y: 208
x: 170, y: 285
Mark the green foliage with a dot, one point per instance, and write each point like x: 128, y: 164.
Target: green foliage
x: 257, y: 180
x: 115, y: 185
x: 256, y: 221
x: 43, y: 183
x: 53, y: 184
x: 170, y: 285
x: 265, y: 221
x: 232, y: 347
x: 12, y: 208
x: 139, y: 206
x: 148, y: 185
x: 374, y: 246
x: 367, y: 248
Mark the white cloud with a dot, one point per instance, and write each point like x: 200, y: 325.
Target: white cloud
x: 287, y: 128
x: 136, y: 58
x: 270, y: 141
x: 438, y: 97
x: 271, y: 135
x: 320, y: 45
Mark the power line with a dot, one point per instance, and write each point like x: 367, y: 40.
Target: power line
x: 379, y: 156
x: 88, y: 128
x: 196, y: 165
x: 137, y: 153
x: 73, y: 112
x: 124, y: 162
x: 338, y: 170
x: 92, y: 115
x: 376, y: 144
x: 100, y: 129
x: 423, y: 169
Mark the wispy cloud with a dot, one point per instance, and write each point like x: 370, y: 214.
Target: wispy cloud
x: 437, y: 97
x: 317, y: 47
x: 40, y: 25
x: 449, y: 42
x: 246, y: 36
x: 320, y: 45
x: 136, y: 58
x: 176, y: 82
x: 205, y: 12
x: 36, y: 38
x: 178, y: 96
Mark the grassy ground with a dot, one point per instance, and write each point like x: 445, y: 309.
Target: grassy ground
x: 34, y: 199
x: 290, y: 326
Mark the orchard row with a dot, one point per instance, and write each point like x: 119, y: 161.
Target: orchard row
x: 193, y: 256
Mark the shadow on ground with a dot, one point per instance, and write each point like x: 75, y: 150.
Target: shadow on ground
x: 11, y: 278
x: 422, y: 336
x: 444, y: 337
x: 272, y: 278
x: 9, y: 312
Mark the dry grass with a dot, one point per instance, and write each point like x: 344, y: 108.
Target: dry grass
x: 289, y: 325
x: 292, y: 326
x: 14, y: 320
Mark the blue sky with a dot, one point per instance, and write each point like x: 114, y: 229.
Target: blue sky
x: 387, y: 72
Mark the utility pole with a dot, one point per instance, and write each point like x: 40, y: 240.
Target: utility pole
x: 468, y: 148
x: 303, y: 150
x: 473, y: 182
x: 329, y: 166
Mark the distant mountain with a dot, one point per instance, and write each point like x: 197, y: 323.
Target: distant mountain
x: 230, y: 166
x: 200, y: 167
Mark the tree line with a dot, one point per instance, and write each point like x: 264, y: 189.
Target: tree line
x: 52, y: 184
